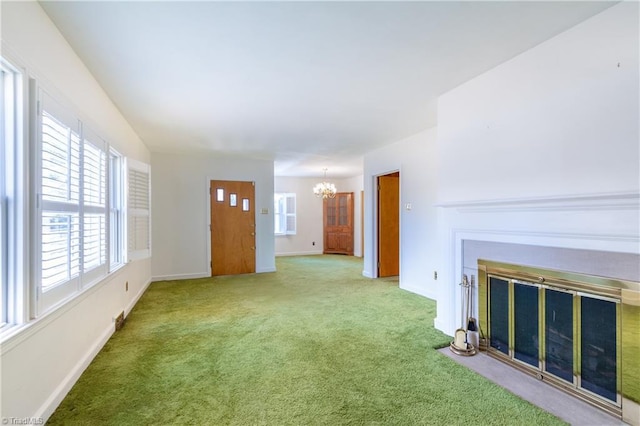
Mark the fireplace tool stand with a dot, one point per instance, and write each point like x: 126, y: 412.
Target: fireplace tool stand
x: 460, y: 344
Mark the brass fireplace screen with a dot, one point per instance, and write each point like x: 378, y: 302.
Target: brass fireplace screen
x: 577, y: 332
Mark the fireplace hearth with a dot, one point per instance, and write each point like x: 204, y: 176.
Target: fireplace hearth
x: 574, y: 331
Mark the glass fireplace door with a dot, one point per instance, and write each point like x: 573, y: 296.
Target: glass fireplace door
x: 563, y: 328
x: 598, y: 346
x: 499, y: 314
x: 525, y: 316
x: 558, y: 331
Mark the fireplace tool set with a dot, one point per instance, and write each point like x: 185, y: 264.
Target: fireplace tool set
x: 462, y: 341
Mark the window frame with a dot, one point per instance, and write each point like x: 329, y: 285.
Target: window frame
x: 282, y: 213
x: 116, y: 246
x: 13, y: 196
x: 5, y: 120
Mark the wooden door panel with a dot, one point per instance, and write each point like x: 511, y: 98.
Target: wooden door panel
x: 388, y: 225
x: 332, y: 242
x: 345, y: 242
x: 232, y: 228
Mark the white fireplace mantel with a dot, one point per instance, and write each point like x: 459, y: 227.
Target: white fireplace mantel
x: 608, y: 222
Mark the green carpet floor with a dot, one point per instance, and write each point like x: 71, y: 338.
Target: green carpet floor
x: 312, y: 344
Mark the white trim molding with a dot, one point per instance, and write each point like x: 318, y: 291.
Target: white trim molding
x: 600, y: 222
x: 607, y: 201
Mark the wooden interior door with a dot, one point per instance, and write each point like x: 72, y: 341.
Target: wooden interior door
x: 389, y: 225
x: 233, y: 227
x: 338, y: 224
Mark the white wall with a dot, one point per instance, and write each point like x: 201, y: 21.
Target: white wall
x: 308, y: 218
x: 180, y: 206
x: 415, y: 158
x: 43, y: 358
x: 309, y: 215
x: 541, y: 150
x: 544, y: 149
x: 562, y: 118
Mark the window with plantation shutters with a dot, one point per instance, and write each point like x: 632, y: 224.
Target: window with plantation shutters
x: 285, y: 213
x: 72, y: 204
x: 60, y: 198
x: 138, y: 211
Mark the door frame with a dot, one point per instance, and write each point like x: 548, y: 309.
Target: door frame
x: 376, y: 222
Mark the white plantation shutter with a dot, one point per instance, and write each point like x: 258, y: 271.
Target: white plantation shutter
x: 291, y: 214
x: 72, y: 204
x: 285, y: 213
x: 59, y: 196
x: 94, y: 190
x: 138, y: 210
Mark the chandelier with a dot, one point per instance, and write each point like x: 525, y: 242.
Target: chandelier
x: 325, y: 189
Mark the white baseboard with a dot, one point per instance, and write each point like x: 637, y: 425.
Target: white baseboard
x: 180, y: 276
x: 46, y: 410
x: 177, y: 277
x: 299, y: 253
x: 367, y: 274
x: 439, y: 325
x: 418, y: 291
x: 133, y: 302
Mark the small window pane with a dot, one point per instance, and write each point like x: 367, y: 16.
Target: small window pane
x: 94, y: 243
x: 60, y: 247
x: 233, y: 200
x: 219, y: 194
x: 245, y: 204
x: 60, y: 161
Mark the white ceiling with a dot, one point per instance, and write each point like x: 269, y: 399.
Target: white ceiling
x: 307, y: 84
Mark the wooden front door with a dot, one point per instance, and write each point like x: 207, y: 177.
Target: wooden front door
x: 389, y: 225
x: 233, y: 227
x: 338, y: 224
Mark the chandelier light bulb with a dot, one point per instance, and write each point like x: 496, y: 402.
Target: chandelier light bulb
x: 325, y: 189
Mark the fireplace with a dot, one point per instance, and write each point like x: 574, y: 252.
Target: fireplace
x: 577, y: 332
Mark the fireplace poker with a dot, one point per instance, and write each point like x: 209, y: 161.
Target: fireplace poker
x: 471, y: 321
x: 460, y: 345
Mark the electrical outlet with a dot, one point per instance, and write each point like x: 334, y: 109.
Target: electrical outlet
x: 435, y: 275
x: 313, y: 243
x: 126, y: 286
